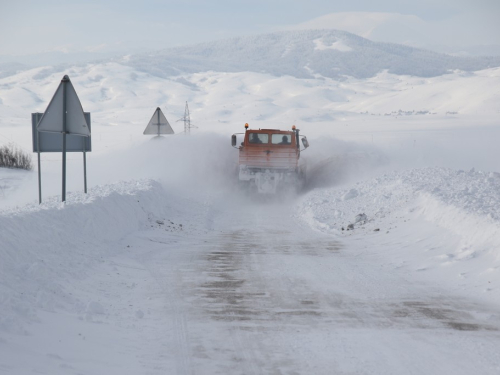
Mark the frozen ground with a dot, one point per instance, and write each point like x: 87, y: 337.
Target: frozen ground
x: 134, y: 279
x: 165, y: 268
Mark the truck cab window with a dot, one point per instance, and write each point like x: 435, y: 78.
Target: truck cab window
x: 281, y: 139
x: 258, y: 138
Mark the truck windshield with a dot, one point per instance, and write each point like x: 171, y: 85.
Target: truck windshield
x: 281, y: 139
x: 258, y: 138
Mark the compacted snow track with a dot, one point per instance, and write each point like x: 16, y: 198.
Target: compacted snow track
x: 259, y: 293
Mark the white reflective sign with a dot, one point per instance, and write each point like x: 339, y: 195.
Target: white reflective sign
x: 53, y: 120
x: 158, y: 124
x: 52, y: 142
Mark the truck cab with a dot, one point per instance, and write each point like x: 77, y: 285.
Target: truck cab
x: 269, y: 159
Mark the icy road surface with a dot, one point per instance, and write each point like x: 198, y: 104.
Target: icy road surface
x: 269, y: 296
x: 241, y: 286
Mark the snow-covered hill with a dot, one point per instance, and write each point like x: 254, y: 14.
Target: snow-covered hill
x: 457, y: 36
x: 329, y: 53
x: 303, y: 54
x: 122, y: 99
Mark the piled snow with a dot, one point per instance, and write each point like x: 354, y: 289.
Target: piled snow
x: 46, y: 248
x: 475, y: 193
x: 464, y: 206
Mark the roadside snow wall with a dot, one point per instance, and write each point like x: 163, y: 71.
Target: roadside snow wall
x: 464, y: 202
x: 44, y: 248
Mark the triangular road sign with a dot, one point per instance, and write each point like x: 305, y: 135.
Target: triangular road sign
x: 54, y: 120
x: 158, y: 124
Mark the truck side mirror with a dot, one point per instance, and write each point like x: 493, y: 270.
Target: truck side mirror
x: 305, y: 143
x: 233, y: 140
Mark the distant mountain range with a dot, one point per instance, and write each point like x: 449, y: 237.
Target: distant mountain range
x: 11, y: 68
x: 329, y: 53
x: 300, y: 53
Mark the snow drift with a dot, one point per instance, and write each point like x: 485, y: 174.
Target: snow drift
x: 458, y: 211
x: 46, y: 248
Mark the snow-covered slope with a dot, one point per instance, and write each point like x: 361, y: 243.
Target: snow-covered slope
x: 302, y: 54
x: 377, y: 26
x: 456, y: 35
x: 299, y: 53
x: 451, y: 216
x: 45, y: 248
x: 11, y: 68
x: 122, y: 99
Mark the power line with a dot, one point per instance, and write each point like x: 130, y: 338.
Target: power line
x: 187, y: 121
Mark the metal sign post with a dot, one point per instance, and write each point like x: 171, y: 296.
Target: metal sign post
x: 84, y: 171
x: 52, y: 142
x: 64, y: 118
x: 64, y: 83
x: 39, y: 170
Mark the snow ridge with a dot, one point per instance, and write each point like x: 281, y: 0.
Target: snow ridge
x: 45, y: 248
x: 467, y: 203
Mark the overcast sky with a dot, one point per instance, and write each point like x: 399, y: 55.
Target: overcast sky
x: 28, y: 26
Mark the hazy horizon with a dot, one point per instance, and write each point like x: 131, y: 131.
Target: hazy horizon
x: 111, y: 27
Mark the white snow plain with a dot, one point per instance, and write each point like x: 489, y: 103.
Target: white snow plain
x: 164, y: 267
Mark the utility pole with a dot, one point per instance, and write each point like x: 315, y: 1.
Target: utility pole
x: 187, y: 121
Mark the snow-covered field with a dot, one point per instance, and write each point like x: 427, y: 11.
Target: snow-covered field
x: 164, y: 267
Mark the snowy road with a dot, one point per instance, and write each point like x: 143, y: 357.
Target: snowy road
x: 261, y: 294
x: 225, y: 284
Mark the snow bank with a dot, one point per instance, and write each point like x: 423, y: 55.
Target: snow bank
x: 43, y: 249
x: 465, y: 203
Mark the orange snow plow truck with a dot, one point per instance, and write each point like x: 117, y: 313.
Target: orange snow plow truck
x: 269, y: 159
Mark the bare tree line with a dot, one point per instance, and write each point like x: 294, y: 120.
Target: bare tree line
x: 12, y: 156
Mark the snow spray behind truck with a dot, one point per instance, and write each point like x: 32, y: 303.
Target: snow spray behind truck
x: 269, y: 159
